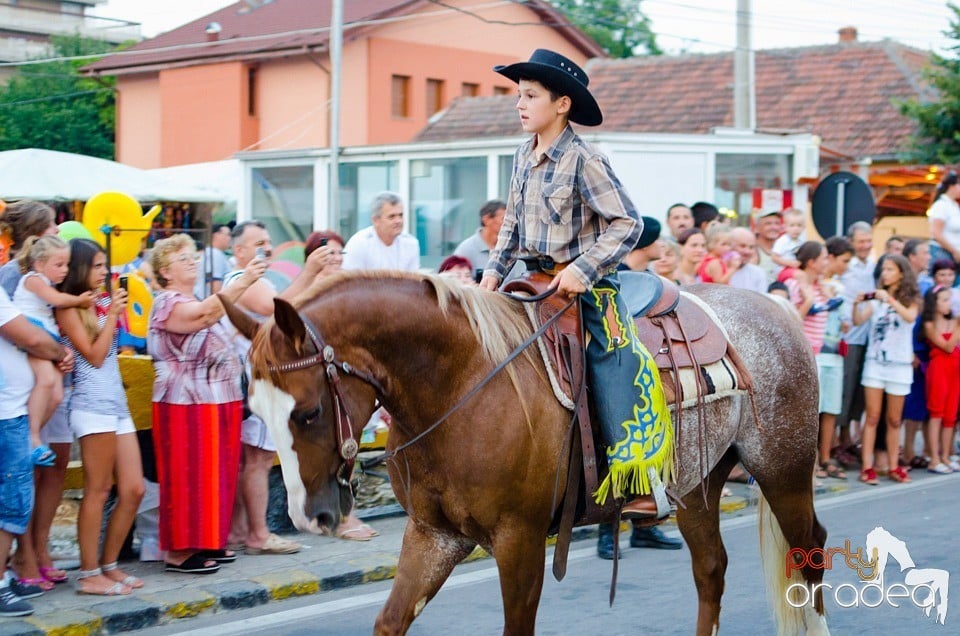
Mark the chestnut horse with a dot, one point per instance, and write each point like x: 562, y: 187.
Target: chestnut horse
x: 486, y: 475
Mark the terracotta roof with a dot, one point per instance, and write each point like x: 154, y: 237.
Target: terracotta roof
x: 840, y: 92
x: 258, y: 29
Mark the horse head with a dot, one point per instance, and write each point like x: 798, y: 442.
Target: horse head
x: 315, y: 410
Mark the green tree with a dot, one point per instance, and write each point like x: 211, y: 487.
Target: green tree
x: 937, y: 139
x: 51, y: 106
x: 619, y: 26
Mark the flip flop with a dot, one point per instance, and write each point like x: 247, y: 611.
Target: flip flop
x: 275, y: 545
x: 53, y: 574
x: 196, y: 563
x: 40, y: 582
x: 354, y: 534
x: 220, y: 556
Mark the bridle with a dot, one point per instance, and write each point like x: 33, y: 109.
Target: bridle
x: 347, y: 445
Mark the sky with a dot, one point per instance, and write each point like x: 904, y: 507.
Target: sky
x: 704, y: 26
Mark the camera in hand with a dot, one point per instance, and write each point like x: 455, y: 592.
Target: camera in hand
x: 323, y: 242
x: 261, y: 253
x: 870, y: 295
x: 124, y: 283
x: 477, y: 276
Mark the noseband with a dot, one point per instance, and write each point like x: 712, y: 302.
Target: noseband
x: 347, y: 445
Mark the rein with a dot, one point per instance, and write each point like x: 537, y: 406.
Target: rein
x: 347, y: 445
x: 365, y: 464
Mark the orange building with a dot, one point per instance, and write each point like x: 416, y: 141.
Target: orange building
x: 256, y: 75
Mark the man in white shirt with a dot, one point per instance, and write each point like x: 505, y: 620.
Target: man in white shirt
x: 17, y: 339
x: 748, y: 276
x: 383, y: 245
x: 858, y: 279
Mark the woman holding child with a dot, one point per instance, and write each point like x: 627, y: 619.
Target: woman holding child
x: 197, y: 409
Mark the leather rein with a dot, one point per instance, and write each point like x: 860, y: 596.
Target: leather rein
x: 347, y: 445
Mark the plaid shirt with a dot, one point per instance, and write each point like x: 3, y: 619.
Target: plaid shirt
x: 567, y: 205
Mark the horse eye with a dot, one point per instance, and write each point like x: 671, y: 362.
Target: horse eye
x: 306, y: 418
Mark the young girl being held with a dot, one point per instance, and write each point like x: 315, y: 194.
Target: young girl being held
x: 100, y: 420
x: 721, y: 260
x: 44, y: 261
x: 942, y: 331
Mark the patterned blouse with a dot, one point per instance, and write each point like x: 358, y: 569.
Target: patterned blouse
x: 193, y: 368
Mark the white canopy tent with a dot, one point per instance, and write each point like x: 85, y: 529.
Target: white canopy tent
x: 48, y: 175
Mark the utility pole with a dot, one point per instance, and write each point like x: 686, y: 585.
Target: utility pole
x: 336, y: 48
x: 744, y: 93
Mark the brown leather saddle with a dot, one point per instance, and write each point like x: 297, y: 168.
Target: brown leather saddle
x: 674, y: 329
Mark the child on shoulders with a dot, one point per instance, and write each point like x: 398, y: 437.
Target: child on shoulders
x: 722, y: 260
x: 784, y: 249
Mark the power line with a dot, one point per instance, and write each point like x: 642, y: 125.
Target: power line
x: 54, y: 97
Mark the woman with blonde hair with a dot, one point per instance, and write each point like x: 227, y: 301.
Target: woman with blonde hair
x: 197, y: 408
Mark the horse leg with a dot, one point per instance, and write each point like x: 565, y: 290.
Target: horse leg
x: 426, y: 559
x: 699, y: 524
x: 519, y: 552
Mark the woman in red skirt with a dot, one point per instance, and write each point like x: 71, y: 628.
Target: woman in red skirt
x: 197, y: 408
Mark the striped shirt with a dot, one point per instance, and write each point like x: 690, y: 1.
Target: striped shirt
x: 814, y: 325
x: 566, y: 204
x: 98, y: 389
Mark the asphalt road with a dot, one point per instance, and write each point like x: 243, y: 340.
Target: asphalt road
x: 655, y: 593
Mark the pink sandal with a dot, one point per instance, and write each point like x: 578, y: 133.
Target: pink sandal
x: 53, y: 574
x: 41, y: 582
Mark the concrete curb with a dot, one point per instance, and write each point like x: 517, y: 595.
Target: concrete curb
x: 151, y: 610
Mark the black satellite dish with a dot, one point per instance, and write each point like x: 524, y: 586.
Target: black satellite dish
x: 841, y: 199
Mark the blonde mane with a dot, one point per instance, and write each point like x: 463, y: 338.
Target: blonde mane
x: 498, y: 323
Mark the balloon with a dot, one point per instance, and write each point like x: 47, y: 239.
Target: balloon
x: 72, y: 230
x: 118, y: 210
x: 139, y: 301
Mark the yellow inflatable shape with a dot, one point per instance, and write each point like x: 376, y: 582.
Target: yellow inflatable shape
x: 139, y: 301
x: 122, y: 212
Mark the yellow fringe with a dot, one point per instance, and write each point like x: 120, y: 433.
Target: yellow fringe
x: 632, y: 477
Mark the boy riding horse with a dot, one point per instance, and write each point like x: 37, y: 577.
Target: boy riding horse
x: 567, y: 208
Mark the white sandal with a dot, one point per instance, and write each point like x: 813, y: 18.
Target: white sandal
x: 117, y: 589
x: 129, y: 580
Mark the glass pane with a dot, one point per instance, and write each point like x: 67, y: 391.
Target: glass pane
x: 738, y: 175
x: 359, y: 184
x: 283, y: 200
x: 506, y: 173
x: 446, y: 197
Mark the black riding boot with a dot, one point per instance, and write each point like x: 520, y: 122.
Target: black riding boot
x: 605, y: 541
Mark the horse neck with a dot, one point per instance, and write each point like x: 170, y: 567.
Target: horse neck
x: 396, y: 341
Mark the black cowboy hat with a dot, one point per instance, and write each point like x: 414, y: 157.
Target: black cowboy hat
x: 650, y: 233
x: 562, y: 76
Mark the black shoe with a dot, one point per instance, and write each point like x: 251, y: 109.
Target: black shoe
x: 653, y: 538
x: 23, y: 590
x: 13, y: 605
x: 605, y: 541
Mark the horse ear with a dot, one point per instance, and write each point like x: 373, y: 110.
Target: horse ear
x: 289, y: 322
x: 244, y: 323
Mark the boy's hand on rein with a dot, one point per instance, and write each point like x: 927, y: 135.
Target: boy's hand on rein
x: 490, y: 283
x: 567, y: 284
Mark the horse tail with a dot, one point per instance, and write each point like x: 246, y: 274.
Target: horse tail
x: 773, y: 555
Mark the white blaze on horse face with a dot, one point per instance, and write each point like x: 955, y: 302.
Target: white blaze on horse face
x: 274, y: 406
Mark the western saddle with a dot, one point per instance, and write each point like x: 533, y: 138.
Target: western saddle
x: 676, y: 331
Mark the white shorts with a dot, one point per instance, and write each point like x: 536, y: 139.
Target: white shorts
x: 57, y: 429
x: 87, y: 423
x: 894, y: 379
x: 253, y: 432
x: 831, y: 383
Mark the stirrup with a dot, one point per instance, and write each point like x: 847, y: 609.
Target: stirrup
x: 659, y: 492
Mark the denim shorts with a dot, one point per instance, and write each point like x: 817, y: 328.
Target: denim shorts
x: 16, y: 475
